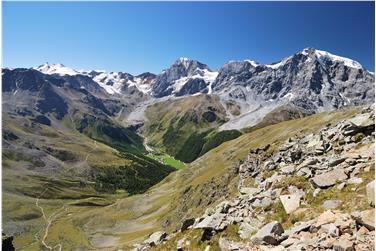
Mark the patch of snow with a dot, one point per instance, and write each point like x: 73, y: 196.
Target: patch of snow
x: 111, y: 82
x: 143, y: 87
x: 206, y: 75
x: 288, y: 96
x: 277, y: 65
x: 253, y: 63
x: 324, y: 55
x: 184, y: 61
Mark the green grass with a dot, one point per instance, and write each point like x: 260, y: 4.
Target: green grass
x: 168, y: 160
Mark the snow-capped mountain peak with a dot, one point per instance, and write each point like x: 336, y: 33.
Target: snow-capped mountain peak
x: 59, y: 69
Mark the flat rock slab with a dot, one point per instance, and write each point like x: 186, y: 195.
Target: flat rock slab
x: 302, y: 226
x: 249, y: 190
x: 362, y: 120
x: 329, y: 178
x: 212, y: 222
x: 290, y: 202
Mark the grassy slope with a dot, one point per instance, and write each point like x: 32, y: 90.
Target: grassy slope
x: 189, y: 191
x: 34, y: 169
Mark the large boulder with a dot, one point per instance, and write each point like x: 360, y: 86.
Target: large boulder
x: 329, y: 178
x: 371, y: 193
x: 270, y: 233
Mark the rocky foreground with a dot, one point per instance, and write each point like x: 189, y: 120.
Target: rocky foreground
x: 312, y: 192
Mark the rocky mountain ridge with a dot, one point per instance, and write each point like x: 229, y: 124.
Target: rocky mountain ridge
x: 312, y: 80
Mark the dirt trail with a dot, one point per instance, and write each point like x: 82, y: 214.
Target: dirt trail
x: 92, y: 150
x: 49, y: 221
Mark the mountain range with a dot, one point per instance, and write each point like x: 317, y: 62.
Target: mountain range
x: 77, y: 139
x: 311, y: 79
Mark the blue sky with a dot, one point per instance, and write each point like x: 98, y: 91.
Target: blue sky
x: 149, y: 36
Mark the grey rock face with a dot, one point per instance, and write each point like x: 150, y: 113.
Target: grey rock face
x: 304, y: 79
x: 182, y: 68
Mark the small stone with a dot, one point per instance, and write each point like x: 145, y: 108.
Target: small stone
x: 330, y: 204
x: 343, y: 245
x: 249, y: 190
x: 354, y: 181
x: 370, y: 189
x: 290, y: 202
x: 266, y: 201
x: 363, y: 230
x: 295, y: 190
x: 229, y: 245
x: 288, y: 169
x: 326, y: 218
x: 298, y: 227
x: 335, y: 162
x: 307, y: 163
x: 316, y: 192
x: 305, y: 172
x: 341, y: 186
x: 289, y: 241
x: 156, y: 238
x: 330, y: 229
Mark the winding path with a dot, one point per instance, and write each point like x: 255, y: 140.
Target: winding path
x: 92, y: 150
x: 49, y: 221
